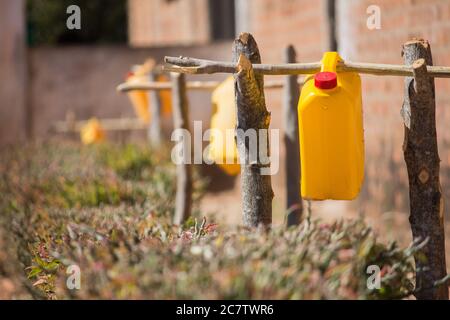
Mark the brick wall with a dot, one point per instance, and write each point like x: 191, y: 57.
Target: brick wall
x: 300, y: 22
x: 83, y: 79
x: 168, y: 22
x: 386, y: 178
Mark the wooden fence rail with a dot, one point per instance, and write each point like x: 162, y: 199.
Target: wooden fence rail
x: 191, y: 85
x: 199, y: 66
x: 120, y: 124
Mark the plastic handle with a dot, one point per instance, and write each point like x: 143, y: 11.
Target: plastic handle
x: 327, y: 77
x: 330, y: 61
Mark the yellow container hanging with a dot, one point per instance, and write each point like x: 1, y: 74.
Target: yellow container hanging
x: 222, y: 145
x: 331, y: 133
x: 92, y: 132
x: 165, y: 96
x: 139, y: 98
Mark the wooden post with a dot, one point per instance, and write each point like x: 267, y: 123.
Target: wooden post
x: 330, y: 13
x: 422, y: 160
x: 71, y: 124
x: 252, y: 117
x: 291, y: 93
x: 154, y: 129
x: 183, y: 199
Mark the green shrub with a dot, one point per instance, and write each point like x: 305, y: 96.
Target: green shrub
x: 68, y: 175
x: 127, y: 254
x: 108, y: 210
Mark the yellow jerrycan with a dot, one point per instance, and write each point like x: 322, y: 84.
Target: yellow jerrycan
x: 222, y: 145
x: 331, y: 133
x: 165, y: 96
x: 92, y: 132
x: 139, y: 98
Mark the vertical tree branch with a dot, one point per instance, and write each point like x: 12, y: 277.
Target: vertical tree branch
x: 330, y: 14
x: 154, y: 129
x: 252, y: 117
x: 291, y: 93
x: 183, y: 199
x: 422, y: 160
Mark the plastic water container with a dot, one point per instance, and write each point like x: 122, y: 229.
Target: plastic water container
x: 140, y: 99
x: 92, y: 132
x: 331, y: 133
x: 222, y: 145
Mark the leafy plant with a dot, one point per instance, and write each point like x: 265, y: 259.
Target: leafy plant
x: 108, y: 209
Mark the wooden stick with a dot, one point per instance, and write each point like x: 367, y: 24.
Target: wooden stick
x: 252, y: 115
x: 183, y: 199
x: 154, y: 129
x: 71, y: 121
x: 191, y: 85
x: 107, y: 124
x: 330, y: 24
x: 291, y: 93
x: 199, y: 66
x: 199, y: 85
x: 422, y: 160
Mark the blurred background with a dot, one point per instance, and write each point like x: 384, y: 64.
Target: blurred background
x: 47, y: 70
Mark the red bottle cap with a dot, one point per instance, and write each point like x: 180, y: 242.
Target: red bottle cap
x: 129, y: 74
x: 325, y: 80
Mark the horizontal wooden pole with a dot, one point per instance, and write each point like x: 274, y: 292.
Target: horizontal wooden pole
x: 200, y: 66
x: 150, y: 85
x: 191, y: 85
x: 107, y: 124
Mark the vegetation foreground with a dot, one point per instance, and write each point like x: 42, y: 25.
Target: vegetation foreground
x: 107, y: 209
